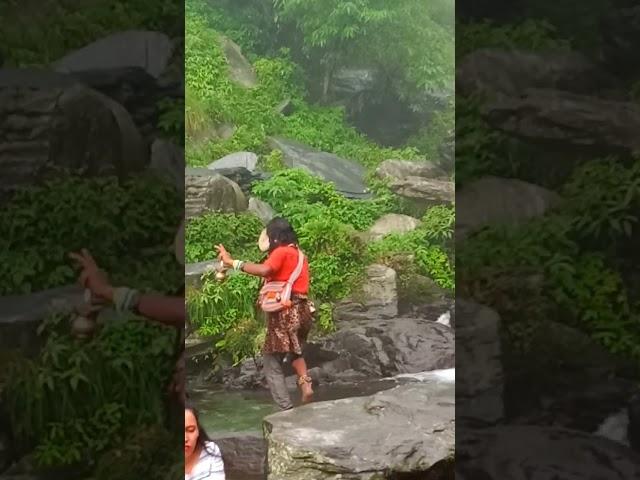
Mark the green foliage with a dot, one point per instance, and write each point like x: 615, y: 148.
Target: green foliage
x: 301, y: 197
x: 127, y: 227
x: 76, y: 398
x: 238, y: 232
x: 213, y: 99
x: 530, y: 35
x: 171, y: 121
x: 41, y: 32
x: 426, y: 244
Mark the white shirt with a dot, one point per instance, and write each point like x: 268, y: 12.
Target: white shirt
x: 209, y: 465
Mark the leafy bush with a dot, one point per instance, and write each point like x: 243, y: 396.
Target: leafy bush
x: 76, y: 399
x: 127, y: 228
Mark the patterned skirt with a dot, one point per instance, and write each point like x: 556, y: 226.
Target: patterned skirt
x: 287, y: 330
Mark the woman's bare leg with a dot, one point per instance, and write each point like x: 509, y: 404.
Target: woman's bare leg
x: 304, y: 380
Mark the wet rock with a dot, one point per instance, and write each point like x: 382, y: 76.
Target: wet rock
x: 347, y: 175
x: 207, y: 191
x: 392, y: 223
x: 379, y: 348
x: 134, y: 48
x: 493, y: 200
x: 581, y: 122
x: 501, y: 72
x: 408, y: 429
x: 240, y: 70
x: 542, y: 453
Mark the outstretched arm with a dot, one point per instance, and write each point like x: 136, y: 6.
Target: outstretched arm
x: 257, y: 269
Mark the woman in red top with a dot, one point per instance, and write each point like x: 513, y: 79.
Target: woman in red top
x: 287, y: 330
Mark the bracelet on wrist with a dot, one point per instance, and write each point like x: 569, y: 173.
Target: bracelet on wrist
x: 237, y: 265
x: 125, y: 299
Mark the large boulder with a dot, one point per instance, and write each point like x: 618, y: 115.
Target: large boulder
x: 240, y: 70
x: 501, y: 72
x: 406, y: 430
x: 480, y: 377
x: 51, y: 122
x: 347, y: 175
x: 383, y: 348
x: 399, y: 169
x: 376, y: 297
x: 555, y: 117
x: 207, y: 191
x: 134, y: 48
x: 392, y: 223
x: 542, y: 453
x: 492, y: 200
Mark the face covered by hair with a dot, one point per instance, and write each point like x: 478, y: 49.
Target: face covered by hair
x: 264, y: 242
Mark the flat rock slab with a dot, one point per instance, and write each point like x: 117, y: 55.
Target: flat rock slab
x: 347, y: 175
x: 409, y: 428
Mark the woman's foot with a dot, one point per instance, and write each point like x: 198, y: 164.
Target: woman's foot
x: 305, y: 384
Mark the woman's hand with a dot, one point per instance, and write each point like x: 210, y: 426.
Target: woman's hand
x: 224, y: 256
x: 92, y: 277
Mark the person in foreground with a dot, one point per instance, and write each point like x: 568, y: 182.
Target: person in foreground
x: 287, y: 330
x: 166, y: 309
x: 202, y: 457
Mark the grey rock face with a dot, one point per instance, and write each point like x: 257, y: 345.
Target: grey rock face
x: 243, y: 453
x: 392, y: 223
x: 240, y: 70
x: 399, y: 169
x: 410, y: 428
x: 246, y: 160
x: 261, y: 209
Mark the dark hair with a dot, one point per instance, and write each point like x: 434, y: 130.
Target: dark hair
x: 280, y: 232
x: 203, y: 436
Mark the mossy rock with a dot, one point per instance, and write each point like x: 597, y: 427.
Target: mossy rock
x: 417, y: 290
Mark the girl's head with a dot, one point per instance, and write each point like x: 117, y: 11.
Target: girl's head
x: 279, y: 232
x: 195, y: 436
